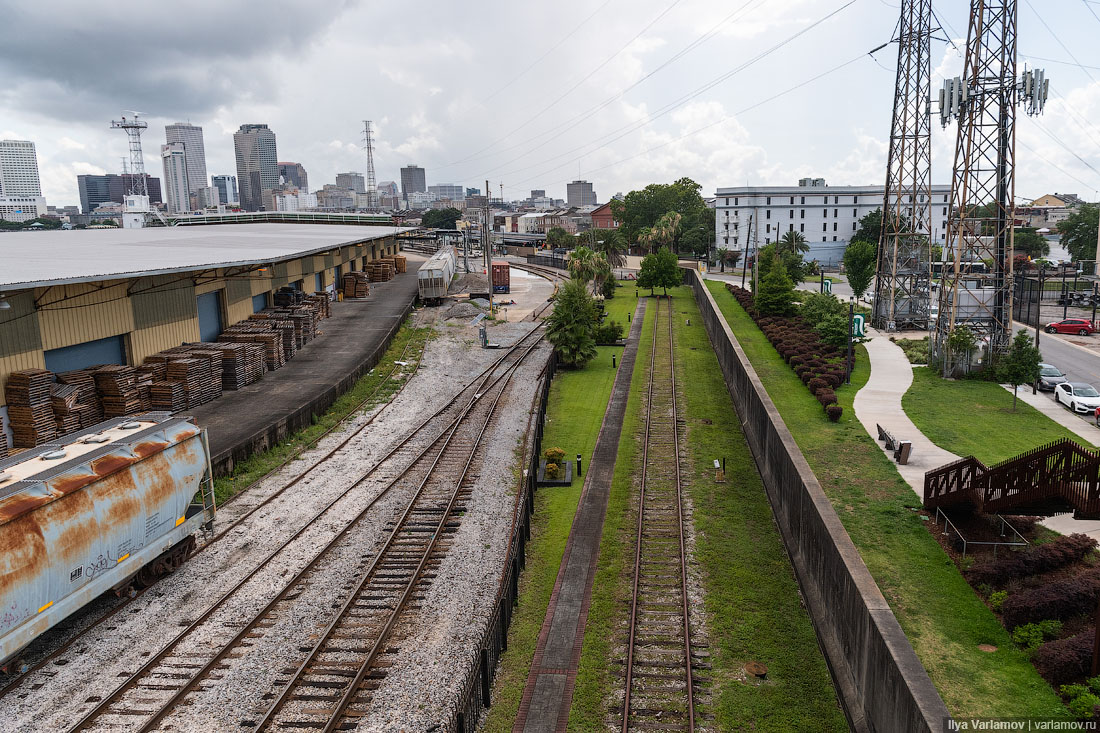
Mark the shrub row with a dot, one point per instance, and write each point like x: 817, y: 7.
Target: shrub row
x: 1059, y: 600
x: 820, y: 366
x: 1066, y: 660
x: 1037, y: 559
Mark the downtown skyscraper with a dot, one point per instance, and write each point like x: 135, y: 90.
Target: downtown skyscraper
x: 257, y: 164
x: 194, y: 154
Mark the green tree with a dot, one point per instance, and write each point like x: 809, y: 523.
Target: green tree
x: 558, y: 237
x: 609, y: 243
x: 792, y: 242
x: 642, y: 209
x: 582, y: 264
x: 961, y: 342
x: 1079, y: 232
x: 815, y: 307
x: 660, y: 269
x: 1020, y: 365
x: 792, y: 262
x: 870, y: 227
x: 440, y: 218
x: 859, y: 263
x: 571, y: 325
x: 1026, y: 240
x: 775, y: 295
x: 729, y: 257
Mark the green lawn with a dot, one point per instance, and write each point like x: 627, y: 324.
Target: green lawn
x: 376, y: 387
x: 972, y: 418
x: 574, y: 413
x: 943, y: 618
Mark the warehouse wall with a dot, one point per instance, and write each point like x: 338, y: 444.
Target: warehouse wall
x: 152, y: 313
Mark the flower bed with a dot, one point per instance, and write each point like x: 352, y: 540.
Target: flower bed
x: 820, y: 366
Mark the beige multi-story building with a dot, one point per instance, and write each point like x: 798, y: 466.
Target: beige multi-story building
x: 176, y: 180
x: 257, y: 164
x: 194, y: 155
x: 20, y: 190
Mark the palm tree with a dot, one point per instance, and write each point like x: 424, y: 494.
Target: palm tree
x: 792, y: 242
x: 582, y: 264
x: 667, y: 229
x: 601, y: 271
x: 608, y: 242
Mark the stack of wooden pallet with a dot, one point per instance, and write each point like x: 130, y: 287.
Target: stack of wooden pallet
x: 193, y: 375
x: 212, y: 390
x: 169, y: 396
x: 356, y: 285
x: 117, y: 387
x: 380, y: 270
x: 29, y: 407
x: 3, y: 445
x: 242, y: 364
x: 258, y: 333
x: 87, y: 399
x: 400, y: 263
x: 321, y: 303
x: 63, y: 400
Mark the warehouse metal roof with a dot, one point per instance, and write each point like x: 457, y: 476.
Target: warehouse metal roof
x: 38, y: 259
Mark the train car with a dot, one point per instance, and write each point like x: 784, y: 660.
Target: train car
x: 103, y: 510
x: 502, y: 278
x: 434, y: 277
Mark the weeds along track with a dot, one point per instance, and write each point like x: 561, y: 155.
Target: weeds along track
x: 360, y: 593
x: 658, y: 673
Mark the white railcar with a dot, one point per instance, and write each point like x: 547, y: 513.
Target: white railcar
x: 435, y: 275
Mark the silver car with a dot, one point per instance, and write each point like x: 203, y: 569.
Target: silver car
x: 1050, y: 377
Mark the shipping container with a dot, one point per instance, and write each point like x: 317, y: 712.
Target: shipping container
x: 116, y: 505
x: 502, y: 282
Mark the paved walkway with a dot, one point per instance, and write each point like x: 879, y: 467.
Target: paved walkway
x: 549, y: 691
x: 1059, y: 414
x: 879, y: 401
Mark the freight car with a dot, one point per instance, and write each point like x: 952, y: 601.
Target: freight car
x: 502, y: 278
x: 106, y: 510
x: 434, y: 277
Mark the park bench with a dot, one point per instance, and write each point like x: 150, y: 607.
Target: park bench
x: 901, y: 448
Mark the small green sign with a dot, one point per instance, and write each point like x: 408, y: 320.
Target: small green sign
x: 859, y: 325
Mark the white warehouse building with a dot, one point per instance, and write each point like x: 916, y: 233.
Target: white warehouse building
x: 827, y: 216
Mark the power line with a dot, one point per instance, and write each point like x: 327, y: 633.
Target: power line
x: 1065, y: 147
x: 1054, y: 165
x: 1058, y: 39
x: 1061, y: 61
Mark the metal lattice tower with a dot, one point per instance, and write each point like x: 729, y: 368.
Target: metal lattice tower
x: 903, y: 275
x: 134, y: 127
x: 372, y: 185
x: 976, y: 287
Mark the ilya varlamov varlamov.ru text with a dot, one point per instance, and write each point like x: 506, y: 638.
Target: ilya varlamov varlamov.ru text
x: 1020, y: 724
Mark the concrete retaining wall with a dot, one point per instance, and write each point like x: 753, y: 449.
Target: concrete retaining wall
x: 881, y: 682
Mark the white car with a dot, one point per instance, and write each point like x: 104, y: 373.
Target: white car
x: 1078, y: 396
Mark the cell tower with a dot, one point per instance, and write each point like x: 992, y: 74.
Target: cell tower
x: 976, y: 287
x: 373, y: 206
x: 134, y: 127
x: 903, y: 276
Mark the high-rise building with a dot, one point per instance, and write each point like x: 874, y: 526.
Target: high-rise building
x: 294, y: 175
x: 388, y: 188
x: 413, y: 180
x: 176, y: 184
x: 451, y: 191
x: 257, y: 164
x: 473, y: 192
x: 579, y: 193
x: 96, y: 190
x: 194, y: 154
x: 352, y: 182
x: 227, y: 189
x: 20, y: 190
x: 119, y: 187
x: 538, y: 193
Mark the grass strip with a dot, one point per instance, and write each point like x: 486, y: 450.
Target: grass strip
x: 377, y: 385
x: 973, y: 418
x: 574, y: 413
x: 943, y: 618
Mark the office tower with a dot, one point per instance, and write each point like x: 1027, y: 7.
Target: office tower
x: 19, y: 169
x: 450, y: 191
x: 96, y: 190
x: 227, y: 189
x: 413, y: 180
x: 294, y: 175
x: 176, y: 185
x: 119, y: 187
x: 352, y: 182
x: 257, y: 164
x: 580, y: 193
x: 194, y: 154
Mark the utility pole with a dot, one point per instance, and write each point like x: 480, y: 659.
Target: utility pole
x: 487, y: 246
x: 903, y: 276
x: 372, y: 185
x: 745, y: 259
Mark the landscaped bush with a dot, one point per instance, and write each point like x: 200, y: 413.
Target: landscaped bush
x: 1062, y: 599
x: 608, y: 333
x: 816, y: 363
x: 1037, y: 559
x: 1066, y: 660
x: 554, y: 455
x: 1031, y: 636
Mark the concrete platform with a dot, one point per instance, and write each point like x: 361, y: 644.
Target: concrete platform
x: 351, y: 342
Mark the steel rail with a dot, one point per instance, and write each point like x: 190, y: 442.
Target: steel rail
x: 383, y: 635
x: 132, y: 680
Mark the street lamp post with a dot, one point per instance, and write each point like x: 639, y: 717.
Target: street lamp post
x: 1039, y: 306
x: 851, y: 328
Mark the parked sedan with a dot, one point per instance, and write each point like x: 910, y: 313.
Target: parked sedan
x: 1079, y: 326
x: 1050, y: 377
x: 1078, y: 396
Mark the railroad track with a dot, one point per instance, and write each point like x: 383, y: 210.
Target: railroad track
x: 15, y: 679
x: 659, y: 682
x: 417, y: 474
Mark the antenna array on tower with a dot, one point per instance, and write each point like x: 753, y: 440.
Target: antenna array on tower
x: 133, y: 128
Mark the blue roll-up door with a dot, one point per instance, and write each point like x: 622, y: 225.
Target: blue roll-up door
x: 259, y: 302
x: 210, y: 316
x: 110, y: 350
x: 319, y: 282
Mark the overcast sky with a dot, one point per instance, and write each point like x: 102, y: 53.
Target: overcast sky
x: 526, y: 95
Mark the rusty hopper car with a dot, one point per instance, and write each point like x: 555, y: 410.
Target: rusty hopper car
x: 98, y: 512
x: 434, y: 277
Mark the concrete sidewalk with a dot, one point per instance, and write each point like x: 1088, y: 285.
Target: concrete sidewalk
x: 1059, y: 414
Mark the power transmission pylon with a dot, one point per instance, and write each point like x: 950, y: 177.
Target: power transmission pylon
x: 133, y: 128
x: 372, y: 185
x: 976, y: 287
x: 903, y: 275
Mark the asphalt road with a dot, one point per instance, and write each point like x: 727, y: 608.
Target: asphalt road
x: 1078, y: 364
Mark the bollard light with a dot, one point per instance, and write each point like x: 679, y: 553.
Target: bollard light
x: 578, y: 465
x: 612, y: 361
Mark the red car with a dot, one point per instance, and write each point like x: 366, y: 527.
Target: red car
x: 1079, y: 326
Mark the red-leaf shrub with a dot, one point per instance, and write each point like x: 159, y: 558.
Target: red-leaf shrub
x: 1066, y: 660
x: 1059, y: 600
x: 834, y: 411
x: 827, y: 397
x: 1037, y: 559
x: 816, y: 383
